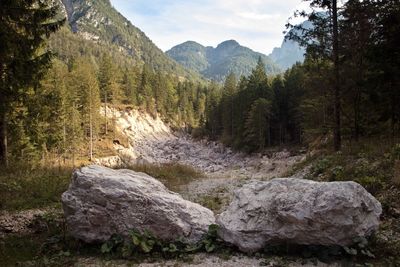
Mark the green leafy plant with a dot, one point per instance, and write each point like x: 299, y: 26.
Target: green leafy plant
x: 145, y: 242
x: 111, y: 244
x: 360, y: 247
x: 337, y: 172
x: 210, y: 240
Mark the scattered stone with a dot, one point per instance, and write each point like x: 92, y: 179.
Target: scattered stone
x: 23, y: 222
x: 297, y: 211
x: 111, y: 162
x: 101, y: 202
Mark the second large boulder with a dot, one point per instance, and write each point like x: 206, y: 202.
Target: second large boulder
x: 101, y: 202
x: 298, y: 211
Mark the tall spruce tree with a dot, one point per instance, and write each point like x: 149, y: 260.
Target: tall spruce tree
x: 322, y: 42
x: 109, y: 88
x: 228, y: 93
x: 257, y: 133
x: 86, y: 84
x: 24, y: 27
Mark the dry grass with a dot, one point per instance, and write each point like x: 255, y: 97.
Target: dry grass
x: 173, y: 175
x: 25, y: 187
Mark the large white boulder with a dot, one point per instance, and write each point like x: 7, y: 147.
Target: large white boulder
x: 297, y: 211
x: 101, y: 202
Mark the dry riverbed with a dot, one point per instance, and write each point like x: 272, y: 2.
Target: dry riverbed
x: 151, y: 141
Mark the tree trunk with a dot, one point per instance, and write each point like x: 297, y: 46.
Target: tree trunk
x: 64, y: 140
x: 232, y: 126
x: 72, y: 144
x: 105, y: 111
x: 91, y: 135
x: 337, y: 140
x: 3, y: 140
x: 357, y: 115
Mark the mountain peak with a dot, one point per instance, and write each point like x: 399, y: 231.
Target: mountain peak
x: 228, y: 44
x: 191, y: 43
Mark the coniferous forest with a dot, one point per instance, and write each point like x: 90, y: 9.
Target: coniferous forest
x: 337, y: 114
x: 351, y: 91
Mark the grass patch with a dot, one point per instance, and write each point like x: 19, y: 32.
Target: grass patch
x: 23, y: 187
x: 215, y: 201
x: 173, y: 175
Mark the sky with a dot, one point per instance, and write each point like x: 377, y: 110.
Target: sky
x: 258, y: 24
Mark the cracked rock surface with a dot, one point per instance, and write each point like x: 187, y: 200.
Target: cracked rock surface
x: 101, y: 202
x: 298, y: 211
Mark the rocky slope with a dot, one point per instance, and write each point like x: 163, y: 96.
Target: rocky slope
x: 288, y: 54
x: 290, y: 51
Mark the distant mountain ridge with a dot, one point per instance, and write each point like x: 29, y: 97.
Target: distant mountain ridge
x: 217, y: 63
x: 100, y: 22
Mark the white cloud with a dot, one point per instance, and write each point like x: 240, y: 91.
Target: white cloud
x: 257, y: 24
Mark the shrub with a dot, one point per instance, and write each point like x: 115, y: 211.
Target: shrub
x: 372, y: 184
x: 321, y: 166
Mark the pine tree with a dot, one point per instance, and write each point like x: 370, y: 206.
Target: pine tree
x: 130, y: 85
x: 228, y: 93
x: 213, y: 111
x: 145, y: 90
x: 322, y: 42
x: 24, y: 27
x: 258, y: 83
x: 257, y: 134
x: 109, y: 87
x: 280, y: 108
x: 160, y: 92
x: 51, y: 107
x: 294, y: 82
x: 86, y: 83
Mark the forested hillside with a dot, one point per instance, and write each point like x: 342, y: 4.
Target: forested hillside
x: 217, y: 63
x: 100, y: 22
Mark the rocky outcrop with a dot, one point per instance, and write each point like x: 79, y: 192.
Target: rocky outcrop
x: 101, y: 202
x: 300, y: 212
x: 110, y: 162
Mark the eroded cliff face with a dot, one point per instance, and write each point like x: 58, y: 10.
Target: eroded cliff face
x: 81, y: 15
x: 69, y: 10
